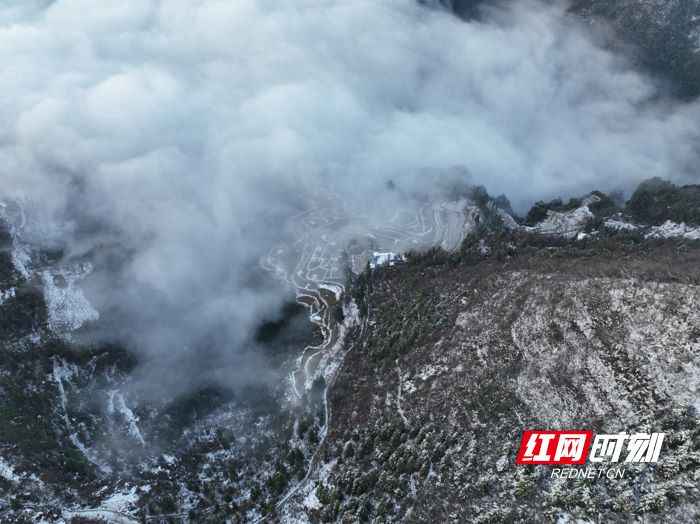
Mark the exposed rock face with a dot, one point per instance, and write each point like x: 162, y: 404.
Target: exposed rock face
x: 429, y: 407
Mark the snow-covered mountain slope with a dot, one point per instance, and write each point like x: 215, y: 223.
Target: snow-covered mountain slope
x: 431, y: 402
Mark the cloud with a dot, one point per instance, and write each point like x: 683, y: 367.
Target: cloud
x: 183, y: 132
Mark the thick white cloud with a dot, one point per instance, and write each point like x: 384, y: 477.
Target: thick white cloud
x: 187, y: 126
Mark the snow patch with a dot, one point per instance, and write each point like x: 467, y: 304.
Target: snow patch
x: 68, y: 309
x: 117, y: 404
x: 114, y: 509
x: 430, y: 371
x: 7, y: 294
x: 311, y: 501
x: 670, y: 229
x: 8, y: 473
x: 566, y: 224
x: 121, y: 501
x: 613, y: 223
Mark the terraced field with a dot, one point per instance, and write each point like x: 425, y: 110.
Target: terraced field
x: 329, y: 243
